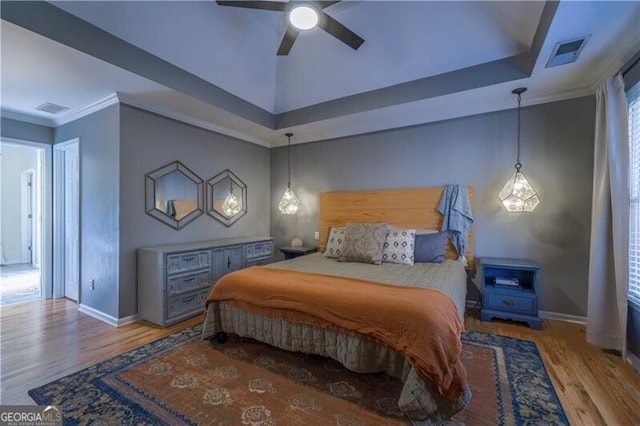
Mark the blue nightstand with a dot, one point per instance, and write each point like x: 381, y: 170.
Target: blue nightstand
x: 509, y: 288
x: 293, y: 252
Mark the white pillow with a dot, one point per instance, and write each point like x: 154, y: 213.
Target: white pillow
x: 426, y: 231
x: 399, y: 245
x: 335, y: 240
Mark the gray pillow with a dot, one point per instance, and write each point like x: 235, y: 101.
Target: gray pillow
x: 430, y: 247
x: 363, y: 242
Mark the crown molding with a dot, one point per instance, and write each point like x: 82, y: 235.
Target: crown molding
x: 119, y: 97
x: 628, y: 48
x: 561, y: 96
x: 33, y: 119
x: 188, y: 119
x: 87, y: 109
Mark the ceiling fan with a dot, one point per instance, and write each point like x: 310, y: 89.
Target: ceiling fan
x: 303, y: 15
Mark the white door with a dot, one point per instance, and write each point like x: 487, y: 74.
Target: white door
x: 71, y: 220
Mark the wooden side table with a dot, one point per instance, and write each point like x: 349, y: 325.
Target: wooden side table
x: 292, y: 252
x: 509, y: 288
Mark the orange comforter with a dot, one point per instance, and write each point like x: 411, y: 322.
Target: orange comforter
x: 422, y: 324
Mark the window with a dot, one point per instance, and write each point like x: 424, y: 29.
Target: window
x: 633, y: 97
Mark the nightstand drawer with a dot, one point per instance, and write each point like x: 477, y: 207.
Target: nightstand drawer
x: 511, y: 303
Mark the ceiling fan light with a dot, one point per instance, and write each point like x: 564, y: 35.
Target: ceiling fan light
x: 303, y: 17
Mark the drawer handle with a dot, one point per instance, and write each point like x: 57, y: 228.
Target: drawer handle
x: 508, y: 302
x: 188, y: 280
x: 189, y: 300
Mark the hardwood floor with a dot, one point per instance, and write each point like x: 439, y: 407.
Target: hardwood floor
x: 45, y: 340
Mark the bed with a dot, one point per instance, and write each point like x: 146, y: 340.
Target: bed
x: 429, y: 394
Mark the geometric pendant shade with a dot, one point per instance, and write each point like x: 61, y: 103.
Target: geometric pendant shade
x: 231, y: 205
x: 289, y: 203
x: 518, y: 195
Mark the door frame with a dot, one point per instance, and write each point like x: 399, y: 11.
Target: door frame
x: 59, y: 232
x: 28, y: 224
x: 46, y: 197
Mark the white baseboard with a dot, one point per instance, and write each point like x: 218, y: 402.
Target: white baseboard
x: 128, y: 320
x: 116, y: 322
x: 562, y: 317
x: 470, y: 304
x: 543, y: 314
x: 633, y: 360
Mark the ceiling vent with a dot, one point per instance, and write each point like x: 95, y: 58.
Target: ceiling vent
x: 51, y: 108
x: 566, y: 52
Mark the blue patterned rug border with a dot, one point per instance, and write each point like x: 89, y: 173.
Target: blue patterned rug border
x: 534, y: 398
x: 93, y: 376
x: 532, y: 393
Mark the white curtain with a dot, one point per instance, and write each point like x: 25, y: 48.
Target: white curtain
x: 609, y: 257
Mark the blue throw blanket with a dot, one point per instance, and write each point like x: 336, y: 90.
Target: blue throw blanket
x: 454, y: 206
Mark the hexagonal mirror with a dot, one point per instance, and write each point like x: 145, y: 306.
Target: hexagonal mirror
x: 173, y: 195
x: 226, y: 198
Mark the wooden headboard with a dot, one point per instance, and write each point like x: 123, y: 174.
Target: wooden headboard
x: 404, y: 208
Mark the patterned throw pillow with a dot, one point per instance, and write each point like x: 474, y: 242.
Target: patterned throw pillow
x: 398, y: 247
x: 363, y: 243
x: 333, y: 248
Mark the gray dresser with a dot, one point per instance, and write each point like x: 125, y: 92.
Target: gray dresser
x: 174, y: 280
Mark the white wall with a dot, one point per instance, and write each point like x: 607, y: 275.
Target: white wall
x: 15, y: 159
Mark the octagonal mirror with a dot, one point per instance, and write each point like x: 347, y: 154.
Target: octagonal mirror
x: 174, y: 195
x: 226, y: 198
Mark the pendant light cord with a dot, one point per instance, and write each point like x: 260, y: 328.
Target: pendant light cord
x: 519, y: 91
x: 289, y: 160
x: 518, y: 164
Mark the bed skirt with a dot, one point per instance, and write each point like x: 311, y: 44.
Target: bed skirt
x: 417, y: 400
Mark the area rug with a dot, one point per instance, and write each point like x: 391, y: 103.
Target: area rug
x: 181, y: 379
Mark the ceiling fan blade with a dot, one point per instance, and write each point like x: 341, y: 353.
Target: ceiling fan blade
x: 325, y: 4
x: 339, y: 31
x: 287, y: 41
x: 263, y: 5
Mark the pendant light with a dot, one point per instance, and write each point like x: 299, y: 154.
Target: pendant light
x: 231, y: 205
x: 518, y: 195
x: 289, y: 203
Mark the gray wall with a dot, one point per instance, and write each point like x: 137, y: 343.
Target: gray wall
x: 118, y: 145
x: 149, y: 141
x: 557, y: 156
x: 99, y: 205
x: 26, y: 131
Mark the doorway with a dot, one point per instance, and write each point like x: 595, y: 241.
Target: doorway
x: 22, y: 215
x: 66, y: 183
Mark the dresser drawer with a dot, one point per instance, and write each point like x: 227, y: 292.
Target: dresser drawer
x: 188, y: 261
x: 260, y: 261
x: 187, y: 303
x: 189, y: 282
x: 522, y: 304
x: 261, y: 249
